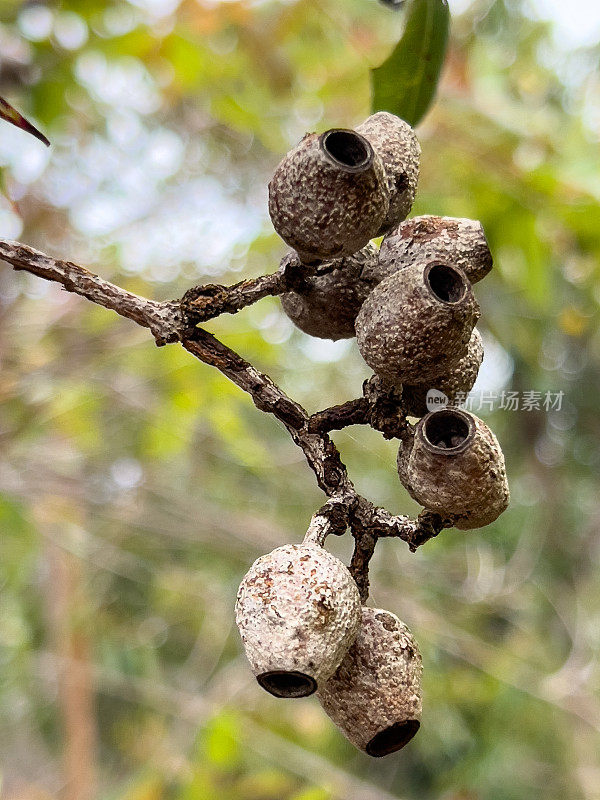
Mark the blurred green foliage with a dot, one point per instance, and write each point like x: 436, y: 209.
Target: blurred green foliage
x: 137, y: 485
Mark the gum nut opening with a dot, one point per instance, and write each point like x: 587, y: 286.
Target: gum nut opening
x: 449, y: 431
x: 446, y: 283
x: 393, y: 738
x: 281, y: 683
x: 347, y: 149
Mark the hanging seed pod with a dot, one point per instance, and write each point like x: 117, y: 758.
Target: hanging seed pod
x: 326, y: 304
x: 458, y: 380
x: 459, y: 242
x: 416, y: 324
x: 454, y: 465
x: 298, y: 612
x: 328, y: 196
x: 395, y: 143
x: 374, y: 697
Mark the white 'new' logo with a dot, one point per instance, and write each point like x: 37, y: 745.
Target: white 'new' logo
x: 436, y: 400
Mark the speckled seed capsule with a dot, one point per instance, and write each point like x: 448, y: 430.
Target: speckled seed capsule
x: 326, y: 304
x: 328, y: 197
x: 375, y: 695
x: 460, y: 242
x: 395, y: 143
x: 454, y: 465
x: 298, y: 612
x: 458, y: 380
x: 417, y: 322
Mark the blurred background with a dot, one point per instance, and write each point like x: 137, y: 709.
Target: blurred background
x: 138, y: 485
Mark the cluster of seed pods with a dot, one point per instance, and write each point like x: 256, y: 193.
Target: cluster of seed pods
x: 411, y: 306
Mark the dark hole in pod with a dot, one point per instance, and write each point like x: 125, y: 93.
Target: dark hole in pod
x: 446, y: 429
x: 446, y: 283
x: 287, y: 684
x: 392, y: 738
x: 347, y: 148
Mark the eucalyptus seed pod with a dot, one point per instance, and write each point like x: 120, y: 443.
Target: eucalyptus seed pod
x: 298, y: 612
x: 374, y: 697
x: 454, y: 465
x: 328, y: 196
x: 326, y: 304
x: 416, y: 324
x: 459, y: 379
x: 459, y: 242
x: 395, y: 143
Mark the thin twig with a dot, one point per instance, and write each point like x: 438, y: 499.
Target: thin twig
x: 202, y: 303
x: 354, y: 412
x: 163, y: 319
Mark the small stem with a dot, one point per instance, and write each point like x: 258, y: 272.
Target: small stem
x: 354, y: 412
x: 364, y: 547
x: 386, y: 412
x: 319, y: 529
x: 202, y: 303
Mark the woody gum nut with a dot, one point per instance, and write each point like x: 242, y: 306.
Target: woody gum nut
x: 328, y: 196
x: 454, y: 465
x: 460, y: 242
x: 374, y: 697
x: 395, y: 143
x: 298, y: 612
x: 458, y: 380
x: 326, y: 304
x: 417, y: 322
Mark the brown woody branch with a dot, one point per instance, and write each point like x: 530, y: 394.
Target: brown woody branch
x: 354, y: 412
x: 163, y: 319
x: 380, y: 407
x: 176, y: 321
x: 201, y: 303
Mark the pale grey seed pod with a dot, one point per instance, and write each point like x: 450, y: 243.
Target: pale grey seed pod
x: 417, y: 322
x: 328, y: 196
x: 459, y: 379
x: 298, y: 612
x: 326, y: 304
x: 459, y: 242
x: 454, y: 465
x: 374, y: 697
x: 395, y: 143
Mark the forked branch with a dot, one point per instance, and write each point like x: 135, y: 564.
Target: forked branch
x: 176, y: 321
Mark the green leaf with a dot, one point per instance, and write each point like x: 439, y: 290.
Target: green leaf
x: 10, y: 114
x: 405, y: 83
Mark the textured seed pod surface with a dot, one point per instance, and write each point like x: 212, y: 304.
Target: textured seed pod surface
x: 326, y: 305
x: 417, y: 322
x: 460, y: 242
x: 374, y: 697
x: 395, y: 143
x: 460, y: 378
x: 328, y: 196
x: 454, y: 465
x: 298, y: 612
